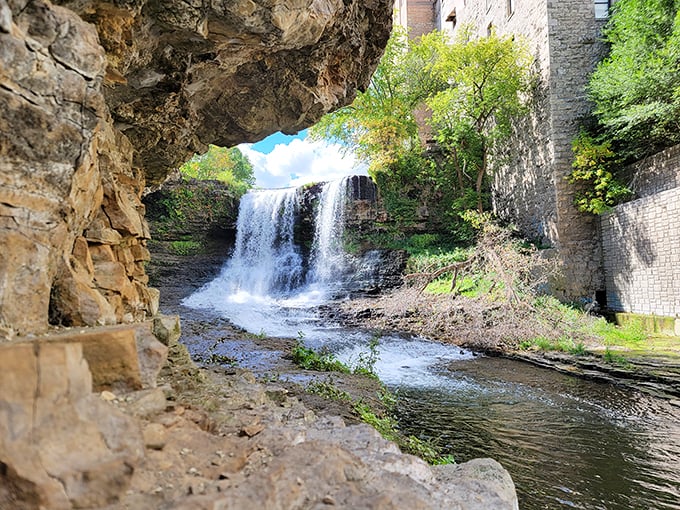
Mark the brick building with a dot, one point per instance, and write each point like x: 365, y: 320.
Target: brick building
x: 531, y: 189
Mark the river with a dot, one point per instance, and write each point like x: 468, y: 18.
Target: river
x: 567, y: 442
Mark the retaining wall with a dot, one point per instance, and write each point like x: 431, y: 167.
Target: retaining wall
x: 641, y: 241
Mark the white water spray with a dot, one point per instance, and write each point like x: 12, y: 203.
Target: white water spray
x: 329, y: 259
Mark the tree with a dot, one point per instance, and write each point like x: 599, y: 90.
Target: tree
x: 636, y: 89
x: 473, y: 90
x: 379, y: 125
x: 228, y: 165
x: 489, y: 83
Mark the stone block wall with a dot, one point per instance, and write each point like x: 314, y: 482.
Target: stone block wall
x: 656, y: 173
x: 641, y: 250
x: 575, y: 50
x: 529, y: 187
x: 641, y: 240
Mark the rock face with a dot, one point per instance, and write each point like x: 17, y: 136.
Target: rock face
x: 46, y: 391
x: 100, y: 98
x: 185, y: 74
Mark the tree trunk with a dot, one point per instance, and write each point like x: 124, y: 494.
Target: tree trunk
x: 480, y: 181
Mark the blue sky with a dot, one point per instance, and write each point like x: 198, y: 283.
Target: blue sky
x: 282, y: 161
x: 267, y: 145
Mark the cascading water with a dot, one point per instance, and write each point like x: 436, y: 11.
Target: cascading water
x: 329, y: 259
x: 265, y: 276
x: 266, y: 261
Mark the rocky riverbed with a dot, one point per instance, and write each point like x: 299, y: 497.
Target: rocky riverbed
x: 217, y: 437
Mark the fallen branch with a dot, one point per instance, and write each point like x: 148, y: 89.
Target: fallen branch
x: 430, y: 277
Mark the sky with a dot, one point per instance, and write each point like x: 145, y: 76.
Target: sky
x: 282, y: 161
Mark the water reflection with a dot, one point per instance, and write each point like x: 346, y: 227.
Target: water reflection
x: 568, y: 443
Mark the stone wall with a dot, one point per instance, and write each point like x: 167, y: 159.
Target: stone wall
x: 575, y: 49
x: 529, y: 187
x: 641, y: 240
x: 656, y: 173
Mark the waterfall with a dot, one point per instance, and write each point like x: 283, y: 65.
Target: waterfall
x: 266, y: 261
x: 267, y: 266
x: 329, y: 259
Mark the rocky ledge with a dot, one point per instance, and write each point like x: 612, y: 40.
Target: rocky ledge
x: 200, y: 439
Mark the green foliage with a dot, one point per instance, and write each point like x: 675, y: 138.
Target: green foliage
x: 365, y: 364
x: 309, y: 359
x: 222, y: 164
x: 631, y: 334
x: 473, y: 89
x: 327, y: 389
x: 379, y: 124
x: 185, y: 248
x: 388, y: 428
x: 591, y: 166
x: 636, y: 89
x: 489, y: 80
x: 563, y: 344
x: 615, y: 358
x: 180, y: 206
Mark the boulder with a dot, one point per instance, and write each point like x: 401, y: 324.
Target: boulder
x: 60, y: 445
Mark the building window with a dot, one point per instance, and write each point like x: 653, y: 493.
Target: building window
x: 602, y: 9
x: 451, y: 18
x: 509, y: 7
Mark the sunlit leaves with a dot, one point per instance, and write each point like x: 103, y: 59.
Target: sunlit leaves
x: 379, y: 125
x: 591, y: 165
x: 223, y: 164
x: 636, y: 89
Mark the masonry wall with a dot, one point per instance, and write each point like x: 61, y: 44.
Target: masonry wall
x: 529, y: 185
x: 641, y: 241
x: 421, y: 17
x: 656, y: 173
x: 575, y: 50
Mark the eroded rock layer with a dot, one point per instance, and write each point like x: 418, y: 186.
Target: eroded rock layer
x: 98, y: 99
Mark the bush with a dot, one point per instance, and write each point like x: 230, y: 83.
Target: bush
x: 592, y: 167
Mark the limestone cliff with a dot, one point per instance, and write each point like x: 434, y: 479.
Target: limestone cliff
x: 99, y: 98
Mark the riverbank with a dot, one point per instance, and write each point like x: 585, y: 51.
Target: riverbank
x: 491, y: 329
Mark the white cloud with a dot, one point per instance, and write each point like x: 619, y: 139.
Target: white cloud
x: 301, y: 162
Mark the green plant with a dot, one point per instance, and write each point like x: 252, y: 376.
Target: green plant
x: 228, y: 165
x: 309, y: 359
x: 185, y: 248
x: 388, y: 428
x: 366, y: 361
x: 631, y: 334
x: 592, y: 167
x: 636, y: 89
x: 563, y: 344
x: 329, y: 390
x: 615, y: 358
x: 579, y: 350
